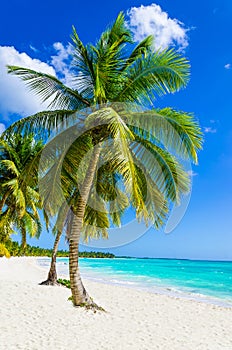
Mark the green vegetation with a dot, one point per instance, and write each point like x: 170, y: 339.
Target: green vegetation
x: 19, y: 197
x: 96, y: 255
x: 141, y: 149
x: 94, y: 307
x: 14, y: 249
x: 64, y: 282
x: 4, y: 251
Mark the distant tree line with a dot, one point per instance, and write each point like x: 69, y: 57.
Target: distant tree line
x: 15, y: 249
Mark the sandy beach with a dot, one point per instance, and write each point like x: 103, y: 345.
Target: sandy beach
x: 40, y: 317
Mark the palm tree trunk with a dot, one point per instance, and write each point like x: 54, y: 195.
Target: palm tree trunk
x: 79, y: 295
x: 24, y: 239
x: 52, y: 275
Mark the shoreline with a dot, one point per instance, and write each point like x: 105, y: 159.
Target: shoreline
x: 41, y: 317
x: 169, y: 290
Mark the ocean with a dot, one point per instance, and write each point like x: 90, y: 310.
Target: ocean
x: 208, y: 281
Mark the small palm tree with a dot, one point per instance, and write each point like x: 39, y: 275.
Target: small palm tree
x: 57, y: 230
x: 19, y: 200
x: 116, y: 143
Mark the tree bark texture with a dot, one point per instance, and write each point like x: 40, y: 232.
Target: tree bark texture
x: 79, y: 294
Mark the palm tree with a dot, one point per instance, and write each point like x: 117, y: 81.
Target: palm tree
x: 116, y: 143
x: 19, y: 200
x: 57, y: 231
x: 52, y: 274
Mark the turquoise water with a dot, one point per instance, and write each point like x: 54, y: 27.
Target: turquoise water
x: 204, y: 280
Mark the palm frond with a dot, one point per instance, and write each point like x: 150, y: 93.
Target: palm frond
x: 41, y: 124
x: 107, y: 188
x: 50, y: 89
x: 165, y: 171
x: 60, y: 165
x: 176, y: 131
x: 6, y: 227
x: 31, y: 224
x: 155, y: 206
x: 9, y: 165
x: 156, y: 74
x: 118, y: 30
x: 96, y: 221
x: 117, y: 149
x: 61, y: 219
x: 141, y: 50
x: 83, y: 67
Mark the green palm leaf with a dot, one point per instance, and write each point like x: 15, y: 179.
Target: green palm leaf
x: 48, y: 87
x: 41, y: 124
x: 156, y: 74
x: 19, y: 198
x: 177, y: 131
x: 141, y: 50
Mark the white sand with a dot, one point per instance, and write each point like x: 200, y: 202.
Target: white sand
x: 39, y: 317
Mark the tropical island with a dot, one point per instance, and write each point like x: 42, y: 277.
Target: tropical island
x: 100, y: 148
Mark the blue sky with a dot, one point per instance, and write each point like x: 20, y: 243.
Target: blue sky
x: 37, y: 36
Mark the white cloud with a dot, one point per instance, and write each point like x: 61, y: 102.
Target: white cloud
x: 33, y: 48
x: 209, y: 130
x: 192, y: 173
x: 146, y: 20
x: 15, y: 97
x: 227, y: 66
x: 63, y: 53
x: 2, y: 128
x: 61, y: 62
